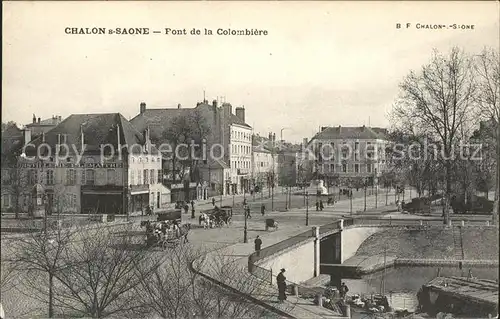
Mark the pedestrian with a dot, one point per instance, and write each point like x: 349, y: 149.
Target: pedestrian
x: 263, y: 209
x: 343, y: 290
x: 192, y: 204
x: 321, y: 206
x: 192, y: 213
x: 213, y: 201
x: 317, y: 206
x: 247, y: 210
x: 258, y: 244
x: 281, y: 281
x: 245, y: 202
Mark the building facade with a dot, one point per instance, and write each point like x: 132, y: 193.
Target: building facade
x: 226, y: 136
x: 349, y: 154
x: 92, y: 163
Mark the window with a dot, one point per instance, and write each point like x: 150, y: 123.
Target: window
x: 89, y: 177
x: 71, y: 177
x: 50, y: 177
x: 33, y: 176
x: 332, y: 167
x: 132, y: 177
x: 111, y: 177
x: 146, y: 177
x: 74, y: 200
x: 369, y: 168
x: 160, y: 176
x: 356, y: 145
x: 344, y: 168
x: 139, y: 177
x: 356, y: 157
x: 152, y: 176
x: 356, y: 168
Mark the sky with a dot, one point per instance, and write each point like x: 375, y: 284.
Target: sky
x: 321, y: 64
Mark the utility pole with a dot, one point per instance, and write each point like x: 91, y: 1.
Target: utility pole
x: 376, y: 196
x: 307, y: 209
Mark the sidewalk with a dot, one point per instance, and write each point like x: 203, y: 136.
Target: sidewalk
x: 265, y: 293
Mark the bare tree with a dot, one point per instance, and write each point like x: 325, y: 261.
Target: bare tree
x: 439, y: 101
x: 99, y: 276
x: 40, y: 256
x: 188, y: 129
x: 177, y: 289
x: 487, y: 68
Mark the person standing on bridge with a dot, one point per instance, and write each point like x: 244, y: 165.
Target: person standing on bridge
x: 343, y: 291
x: 258, y: 244
x: 281, y: 281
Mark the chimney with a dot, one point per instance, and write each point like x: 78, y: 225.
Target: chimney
x: 34, y: 118
x: 274, y: 136
x: 270, y: 136
x: 39, y: 120
x: 323, y: 128
x: 214, y: 103
x: 60, y: 118
x: 240, y: 113
x: 142, y: 108
x: 179, y: 106
x: 27, y: 136
x: 339, y: 128
x: 228, y: 109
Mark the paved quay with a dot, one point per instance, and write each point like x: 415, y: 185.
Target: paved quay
x: 296, y: 307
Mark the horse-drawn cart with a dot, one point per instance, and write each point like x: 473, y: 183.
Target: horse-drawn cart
x: 216, y: 217
x: 165, y: 234
x: 271, y: 223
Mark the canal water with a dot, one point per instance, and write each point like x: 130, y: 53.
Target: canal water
x: 402, y: 283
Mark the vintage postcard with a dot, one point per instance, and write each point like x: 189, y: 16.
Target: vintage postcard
x: 250, y: 159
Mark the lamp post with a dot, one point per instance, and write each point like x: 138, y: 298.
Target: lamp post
x: 286, y: 200
x: 221, y: 191
x: 245, y: 238
x: 364, y: 184
x: 307, y: 209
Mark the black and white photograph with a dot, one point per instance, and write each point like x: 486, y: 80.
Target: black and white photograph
x: 250, y: 159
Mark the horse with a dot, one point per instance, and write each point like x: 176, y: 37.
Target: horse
x: 183, y: 232
x: 205, y: 220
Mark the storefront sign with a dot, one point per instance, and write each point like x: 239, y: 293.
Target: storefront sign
x: 71, y: 165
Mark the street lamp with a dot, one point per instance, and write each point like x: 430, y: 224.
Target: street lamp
x: 307, y: 209
x: 245, y: 238
x: 365, y: 182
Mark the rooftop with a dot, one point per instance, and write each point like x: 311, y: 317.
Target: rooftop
x: 98, y: 129
x: 482, y: 290
x: 356, y: 132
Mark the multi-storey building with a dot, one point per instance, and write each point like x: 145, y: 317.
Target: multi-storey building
x: 264, y: 162
x: 349, y: 153
x: 39, y: 126
x: 240, y: 151
x: 92, y: 163
x: 227, y: 137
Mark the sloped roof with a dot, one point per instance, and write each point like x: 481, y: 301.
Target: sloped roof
x: 359, y: 132
x: 98, y: 129
x: 48, y: 122
x: 158, y: 119
x: 236, y: 120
